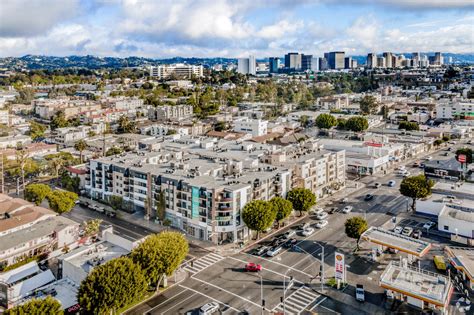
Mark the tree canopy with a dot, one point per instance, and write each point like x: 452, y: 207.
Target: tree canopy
x: 36, y: 193
x: 354, y: 227
x: 125, y: 125
x: 258, y: 215
x: 416, y: 187
x: 357, y: 124
x: 368, y: 105
x: 80, y: 146
x: 282, y: 207
x: 48, y: 305
x: 467, y: 152
x: 302, y: 199
x: 36, y: 130
x: 59, y: 121
x: 62, y: 201
x: 91, y: 227
x: 160, y: 254
x: 326, y: 121
x: 408, y: 125
x: 112, y: 286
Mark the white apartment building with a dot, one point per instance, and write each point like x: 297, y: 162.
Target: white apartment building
x: 255, y: 127
x: 461, y: 109
x: 204, y: 182
x: 247, y: 65
x: 157, y: 129
x: 123, y: 103
x: 178, y: 70
x: 171, y: 112
x: 13, y: 141
x: 69, y: 135
x: 4, y: 117
x: 47, y: 108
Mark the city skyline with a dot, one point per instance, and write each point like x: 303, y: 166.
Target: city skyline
x: 225, y: 29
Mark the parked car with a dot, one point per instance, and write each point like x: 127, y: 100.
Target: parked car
x: 392, y: 250
x: 416, y: 234
x: 321, y: 224
x: 253, y: 267
x: 391, y: 183
x: 347, y: 209
x: 321, y: 216
x: 209, y: 308
x: 428, y: 225
x: 406, y: 174
x: 428, y: 158
x: 274, y: 251
x: 307, y: 232
x: 332, y: 210
x: 407, y: 231
x: 416, y: 164
x: 398, y: 229
x: 389, y: 294
x: 377, y: 185
x: 360, y: 293
x: 260, y: 250
x: 289, y: 243
x: 290, y: 233
x: 303, y: 226
x: 344, y: 200
x: 316, y: 211
x: 446, y: 153
x: 369, y: 197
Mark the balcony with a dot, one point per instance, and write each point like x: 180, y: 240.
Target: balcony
x: 224, y: 218
x: 225, y: 207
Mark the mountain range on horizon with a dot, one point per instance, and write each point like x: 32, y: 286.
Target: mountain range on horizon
x: 32, y: 62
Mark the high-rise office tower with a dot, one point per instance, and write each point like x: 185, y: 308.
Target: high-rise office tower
x: 306, y: 61
x: 293, y: 61
x: 348, y: 63
x: 335, y: 59
x: 315, y: 64
x: 381, y: 62
x: 388, y: 59
x: 274, y: 64
x: 372, y: 60
x: 247, y: 65
x: 323, y: 63
x: 438, y: 59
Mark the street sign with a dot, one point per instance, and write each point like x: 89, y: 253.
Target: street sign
x: 339, y: 265
x: 462, y: 158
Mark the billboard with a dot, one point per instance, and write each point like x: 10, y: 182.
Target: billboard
x: 339, y: 266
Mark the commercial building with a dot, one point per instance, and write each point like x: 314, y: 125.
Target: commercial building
x: 293, y: 61
x: 123, y: 103
x: 455, y: 110
x: 335, y: 59
x: 462, y: 259
x: 171, y: 112
x: 47, y: 108
x: 323, y: 64
x: 372, y: 60
x: 179, y: 70
x: 247, y: 65
x: 274, y: 64
x: 388, y: 56
x: 306, y: 62
x: 255, y: 127
x: 458, y: 221
x: 69, y: 135
x: 448, y: 168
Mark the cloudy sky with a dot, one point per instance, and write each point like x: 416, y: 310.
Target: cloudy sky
x: 233, y: 28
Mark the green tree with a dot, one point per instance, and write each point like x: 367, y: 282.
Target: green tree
x: 258, y: 215
x: 302, y: 199
x: 125, y: 125
x: 113, y: 151
x: 48, y: 305
x: 111, y: 286
x: 467, y: 152
x: 282, y: 207
x: 160, y: 255
x: 36, y: 130
x: 416, y: 187
x: 341, y: 123
x: 438, y: 142
x: 59, y: 121
x: 91, y: 227
x: 304, y: 121
x: 354, y: 227
x: 357, y: 124
x: 408, y: 125
x: 116, y: 202
x: 80, y: 146
x: 368, y: 105
x: 326, y: 121
x: 37, y: 193
x: 62, y: 201
x: 161, y: 206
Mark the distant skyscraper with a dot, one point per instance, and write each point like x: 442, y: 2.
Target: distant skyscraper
x: 306, y: 61
x: 314, y: 64
x: 293, y: 61
x: 372, y: 60
x: 335, y: 59
x: 381, y: 62
x: 274, y: 64
x: 438, y: 59
x: 388, y: 59
x: 348, y: 63
x: 247, y: 65
x: 323, y: 63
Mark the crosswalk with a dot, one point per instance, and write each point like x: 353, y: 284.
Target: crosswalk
x: 297, y: 302
x: 202, y: 263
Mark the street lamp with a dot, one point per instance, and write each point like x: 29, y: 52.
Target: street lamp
x: 285, y: 289
x: 261, y: 292
x: 322, y: 266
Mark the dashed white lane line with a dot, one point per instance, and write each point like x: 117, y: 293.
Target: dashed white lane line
x: 176, y: 304
x: 209, y: 297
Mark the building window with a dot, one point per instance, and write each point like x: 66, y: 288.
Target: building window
x: 446, y: 228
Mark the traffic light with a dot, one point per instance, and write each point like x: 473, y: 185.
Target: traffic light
x: 263, y: 303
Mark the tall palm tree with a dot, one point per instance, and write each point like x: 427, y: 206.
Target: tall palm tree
x: 80, y: 146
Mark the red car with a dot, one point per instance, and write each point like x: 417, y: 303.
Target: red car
x: 253, y: 267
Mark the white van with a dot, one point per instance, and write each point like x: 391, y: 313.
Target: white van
x: 209, y: 308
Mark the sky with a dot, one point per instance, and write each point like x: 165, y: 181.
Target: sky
x: 233, y: 28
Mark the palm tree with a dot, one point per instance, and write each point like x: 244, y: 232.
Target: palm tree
x: 80, y: 146
x: 21, y: 159
x: 56, y: 164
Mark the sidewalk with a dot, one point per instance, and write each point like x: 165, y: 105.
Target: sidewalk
x: 344, y: 298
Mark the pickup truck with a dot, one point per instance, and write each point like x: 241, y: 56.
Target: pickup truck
x: 360, y: 293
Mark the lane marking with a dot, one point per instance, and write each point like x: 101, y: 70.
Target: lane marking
x: 176, y: 304
x: 283, y: 265
x: 174, y: 296
x: 209, y: 297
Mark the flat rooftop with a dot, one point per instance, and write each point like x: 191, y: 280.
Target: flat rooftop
x: 462, y: 258
x: 393, y: 240
x: 66, y: 292
x: 417, y: 283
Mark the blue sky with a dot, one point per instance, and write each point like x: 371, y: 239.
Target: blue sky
x: 233, y: 28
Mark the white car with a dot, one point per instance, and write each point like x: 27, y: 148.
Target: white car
x: 429, y: 158
x: 316, y: 211
x: 398, y: 229
x: 428, y: 225
x: 274, y: 251
x: 344, y: 200
x: 321, y: 224
x: 209, y: 308
x: 308, y: 232
x: 391, y: 183
x: 321, y: 216
x: 401, y: 168
x: 347, y: 209
x: 406, y: 174
x: 407, y: 231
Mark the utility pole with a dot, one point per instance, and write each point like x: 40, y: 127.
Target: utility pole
x: 3, y: 178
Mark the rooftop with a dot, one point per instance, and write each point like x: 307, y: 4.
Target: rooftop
x: 417, y: 283
x: 393, y: 240
x: 462, y: 258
